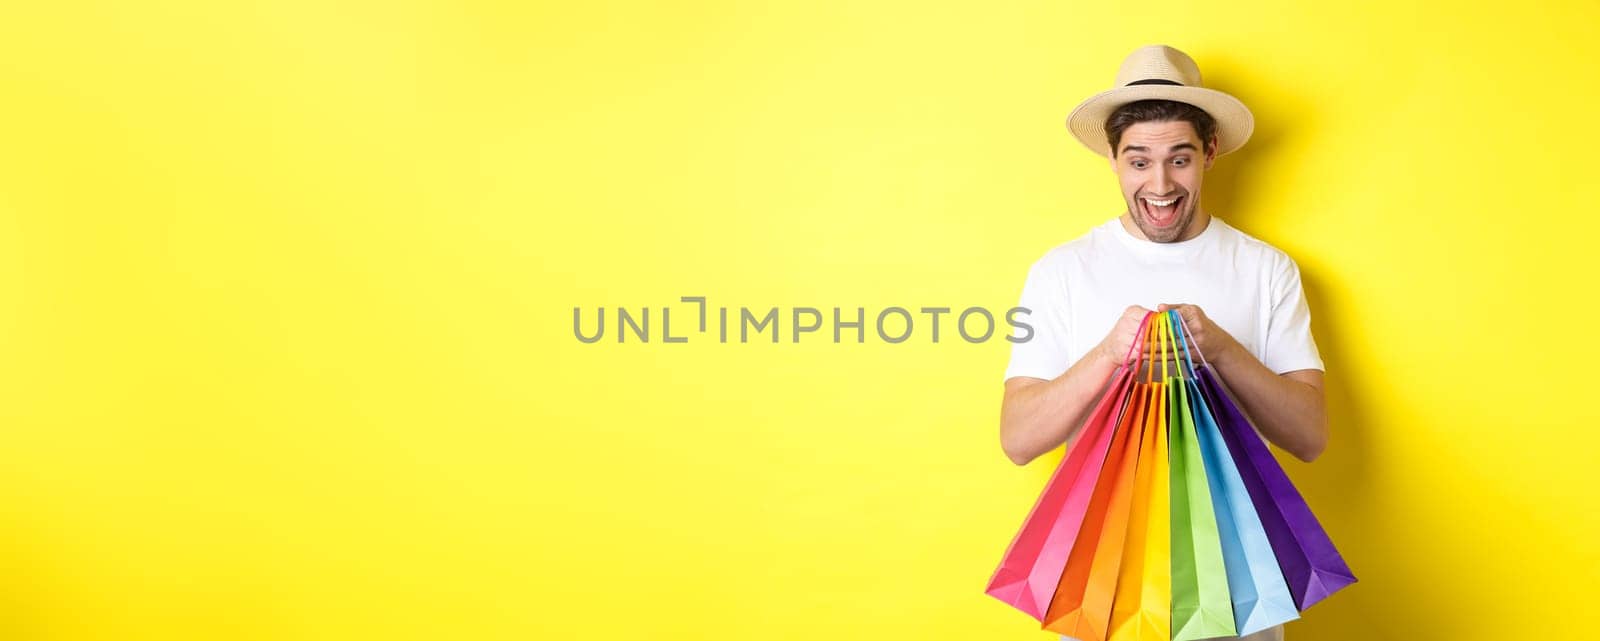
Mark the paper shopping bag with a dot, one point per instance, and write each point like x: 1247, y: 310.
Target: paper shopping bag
x: 1081, y: 608
x: 1311, y: 566
x: 1142, y: 608
x: 1201, y: 605
x: 1032, y: 565
x: 1260, y: 596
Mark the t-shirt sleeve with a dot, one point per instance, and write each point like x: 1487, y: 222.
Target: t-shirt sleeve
x: 1044, y: 354
x: 1290, y: 345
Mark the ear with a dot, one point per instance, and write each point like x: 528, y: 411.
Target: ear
x: 1211, y: 156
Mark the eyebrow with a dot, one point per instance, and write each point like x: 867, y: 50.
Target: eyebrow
x: 1143, y: 149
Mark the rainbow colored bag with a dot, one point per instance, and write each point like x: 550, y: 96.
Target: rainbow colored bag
x: 1168, y: 519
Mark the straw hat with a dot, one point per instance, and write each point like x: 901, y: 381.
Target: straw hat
x: 1160, y: 72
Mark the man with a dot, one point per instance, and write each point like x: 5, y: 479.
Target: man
x: 1240, y: 297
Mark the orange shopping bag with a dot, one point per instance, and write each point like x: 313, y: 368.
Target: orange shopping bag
x: 1142, y: 608
x: 1082, y: 605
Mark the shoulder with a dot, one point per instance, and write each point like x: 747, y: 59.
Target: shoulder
x: 1249, y: 250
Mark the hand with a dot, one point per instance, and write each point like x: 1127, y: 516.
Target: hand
x: 1216, y: 344
x: 1114, y: 347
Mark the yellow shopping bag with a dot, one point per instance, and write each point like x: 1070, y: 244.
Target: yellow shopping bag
x: 1142, y: 609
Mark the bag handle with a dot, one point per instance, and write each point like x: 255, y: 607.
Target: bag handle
x: 1158, y: 343
x: 1171, y: 352
x: 1150, y: 353
x: 1172, y: 339
x: 1185, y: 328
x: 1127, y: 359
x: 1183, y: 339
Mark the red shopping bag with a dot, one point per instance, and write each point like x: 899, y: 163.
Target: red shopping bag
x: 1033, y: 564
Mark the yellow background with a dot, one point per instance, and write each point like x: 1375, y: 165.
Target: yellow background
x: 286, y: 295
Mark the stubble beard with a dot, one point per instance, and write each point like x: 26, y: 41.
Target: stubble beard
x: 1169, y: 234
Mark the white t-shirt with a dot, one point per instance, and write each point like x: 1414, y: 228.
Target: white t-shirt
x: 1078, y: 290
x: 1250, y: 289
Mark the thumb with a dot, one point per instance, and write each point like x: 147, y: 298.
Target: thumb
x: 1164, y: 307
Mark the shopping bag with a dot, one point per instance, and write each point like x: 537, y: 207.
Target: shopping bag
x: 1260, y: 597
x: 1311, y: 566
x: 1081, y: 608
x: 1142, y: 607
x: 1201, y: 605
x: 1032, y: 565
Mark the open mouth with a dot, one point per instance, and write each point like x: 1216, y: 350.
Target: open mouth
x: 1161, y: 213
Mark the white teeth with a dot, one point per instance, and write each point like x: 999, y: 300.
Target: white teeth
x: 1161, y: 203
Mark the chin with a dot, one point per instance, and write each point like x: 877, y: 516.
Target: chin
x: 1170, y: 234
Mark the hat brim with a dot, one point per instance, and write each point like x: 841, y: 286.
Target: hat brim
x: 1234, y: 122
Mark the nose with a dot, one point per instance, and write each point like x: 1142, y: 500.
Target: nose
x: 1161, y: 185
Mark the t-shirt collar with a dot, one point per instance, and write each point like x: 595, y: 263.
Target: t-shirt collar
x: 1177, y: 249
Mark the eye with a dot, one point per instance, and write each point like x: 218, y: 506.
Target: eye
x: 1181, y: 161
x: 1138, y: 164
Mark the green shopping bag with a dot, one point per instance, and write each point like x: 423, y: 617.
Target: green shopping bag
x: 1201, y: 605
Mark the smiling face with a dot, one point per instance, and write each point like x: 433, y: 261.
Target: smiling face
x: 1160, y: 166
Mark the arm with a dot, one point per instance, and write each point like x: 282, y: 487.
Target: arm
x: 1289, y: 408
x: 1037, y: 415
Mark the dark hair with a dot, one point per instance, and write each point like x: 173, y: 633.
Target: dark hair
x: 1159, y: 111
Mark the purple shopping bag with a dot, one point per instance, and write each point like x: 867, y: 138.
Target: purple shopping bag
x: 1311, y: 565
